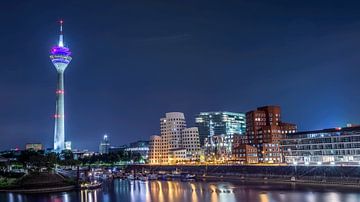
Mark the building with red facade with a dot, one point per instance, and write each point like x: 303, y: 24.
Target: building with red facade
x: 265, y: 130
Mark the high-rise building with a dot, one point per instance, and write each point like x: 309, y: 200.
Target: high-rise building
x: 175, y: 143
x: 60, y: 57
x: 216, y: 131
x: 68, y: 145
x: 155, y: 149
x: 219, y: 123
x: 139, y: 147
x: 170, y: 130
x: 190, y: 141
x: 265, y: 130
x: 104, y: 145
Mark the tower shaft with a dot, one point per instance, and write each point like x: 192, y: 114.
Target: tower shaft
x: 59, y: 131
x: 60, y: 56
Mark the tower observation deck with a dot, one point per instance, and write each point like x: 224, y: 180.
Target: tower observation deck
x: 60, y: 56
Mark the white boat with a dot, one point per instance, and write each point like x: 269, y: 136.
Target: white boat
x: 130, y: 177
x: 91, y: 185
x: 153, y: 177
x: 189, y: 176
x: 143, y: 178
x: 175, y: 174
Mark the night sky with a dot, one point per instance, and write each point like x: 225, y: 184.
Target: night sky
x: 135, y: 60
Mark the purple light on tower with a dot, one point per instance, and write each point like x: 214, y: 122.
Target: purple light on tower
x: 60, y: 57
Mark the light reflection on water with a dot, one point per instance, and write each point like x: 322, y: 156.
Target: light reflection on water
x: 177, y: 191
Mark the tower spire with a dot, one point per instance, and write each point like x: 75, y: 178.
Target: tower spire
x: 61, y: 37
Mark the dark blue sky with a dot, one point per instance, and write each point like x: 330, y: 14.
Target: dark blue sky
x: 135, y: 60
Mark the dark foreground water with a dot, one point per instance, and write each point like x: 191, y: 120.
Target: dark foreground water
x: 177, y: 191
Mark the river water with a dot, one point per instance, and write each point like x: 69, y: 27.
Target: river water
x: 177, y: 191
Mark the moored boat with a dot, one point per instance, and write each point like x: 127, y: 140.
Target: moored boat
x: 92, y: 185
x: 153, y: 177
x: 131, y: 177
x: 143, y: 178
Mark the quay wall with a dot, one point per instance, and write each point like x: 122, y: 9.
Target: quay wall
x: 305, y: 174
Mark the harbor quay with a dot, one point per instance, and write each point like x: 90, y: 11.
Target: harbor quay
x: 321, y: 175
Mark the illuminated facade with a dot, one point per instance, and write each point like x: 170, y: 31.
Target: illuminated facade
x: 174, y: 139
x: 155, y: 149
x: 104, y: 145
x: 265, y: 130
x: 139, y: 147
x: 320, y: 147
x: 245, y: 154
x: 217, y: 148
x: 220, y: 123
x: 67, y: 145
x: 60, y: 57
x: 34, y: 146
x: 216, y: 131
x: 190, y: 141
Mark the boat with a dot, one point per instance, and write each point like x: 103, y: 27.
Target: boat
x: 153, y: 177
x: 175, y: 174
x: 131, y: 177
x: 143, y: 178
x: 91, y: 185
x: 188, y: 176
x: 163, y: 176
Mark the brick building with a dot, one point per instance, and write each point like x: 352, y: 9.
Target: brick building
x: 265, y: 130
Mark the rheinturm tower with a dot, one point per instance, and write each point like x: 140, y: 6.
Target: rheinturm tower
x: 60, y: 57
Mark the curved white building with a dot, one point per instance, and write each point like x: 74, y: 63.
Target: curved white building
x: 176, y: 143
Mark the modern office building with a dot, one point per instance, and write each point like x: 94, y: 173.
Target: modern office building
x: 67, y: 145
x: 177, y: 155
x: 34, y: 146
x: 328, y: 146
x: 168, y: 148
x: 139, y: 147
x: 190, y: 141
x: 246, y: 154
x: 104, y: 145
x: 220, y: 123
x: 155, y: 149
x: 117, y: 149
x: 82, y: 153
x: 170, y: 129
x: 265, y: 130
x: 60, y: 57
x: 217, y: 148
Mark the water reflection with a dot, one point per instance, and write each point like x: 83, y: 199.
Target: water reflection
x: 177, y: 191
x: 89, y: 195
x: 264, y: 197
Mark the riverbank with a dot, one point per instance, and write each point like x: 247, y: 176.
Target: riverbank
x: 41, y: 190
x: 40, y: 183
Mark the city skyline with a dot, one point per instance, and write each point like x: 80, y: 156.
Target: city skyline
x: 125, y: 75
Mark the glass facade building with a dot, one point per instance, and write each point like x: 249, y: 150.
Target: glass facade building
x: 328, y: 146
x: 219, y: 123
x: 104, y: 145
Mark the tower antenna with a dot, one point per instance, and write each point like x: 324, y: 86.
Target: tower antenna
x: 61, y: 37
